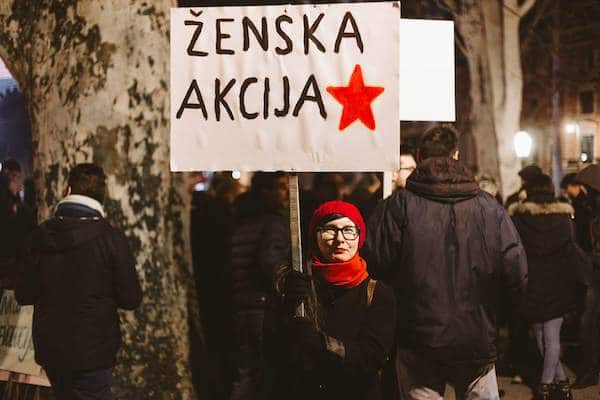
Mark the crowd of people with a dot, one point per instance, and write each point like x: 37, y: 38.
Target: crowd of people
x: 398, y: 297
x: 444, y: 257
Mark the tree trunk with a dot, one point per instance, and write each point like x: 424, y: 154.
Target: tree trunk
x: 490, y: 33
x: 95, y: 75
x: 471, y: 27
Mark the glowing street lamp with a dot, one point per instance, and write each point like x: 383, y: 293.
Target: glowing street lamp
x: 571, y: 127
x: 523, y: 144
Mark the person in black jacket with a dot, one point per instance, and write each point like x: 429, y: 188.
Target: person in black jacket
x: 77, y: 271
x: 447, y: 248
x: 339, y: 348
x: 587, y: 220
x: 16, y: 220
x: 260, y: 244
x: 555, y: 263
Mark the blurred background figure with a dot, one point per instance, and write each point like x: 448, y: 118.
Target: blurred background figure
x: 211, y: 230
x: 587, y: 199
x: 408, y: 164
x: 364, y: 196
x: 16, y: 220
x: 488, y: 184
x: 260, y: 244
x: 527, y: 174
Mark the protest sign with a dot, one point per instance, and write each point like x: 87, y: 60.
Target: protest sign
x: 296, y: 88
x: 16, y: 342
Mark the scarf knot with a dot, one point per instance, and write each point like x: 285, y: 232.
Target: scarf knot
x: 347, y: 274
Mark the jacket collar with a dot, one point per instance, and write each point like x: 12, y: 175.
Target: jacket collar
x: 82, y: 202
x: 443, y: 179
x: 534, y: 208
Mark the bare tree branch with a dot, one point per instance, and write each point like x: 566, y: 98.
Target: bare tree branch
x: 525, y: 7
x: 540, y: 13
x: 448, y: 6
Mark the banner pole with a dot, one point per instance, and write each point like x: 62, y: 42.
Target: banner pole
x: 295, y: 231
x: 387, y: 184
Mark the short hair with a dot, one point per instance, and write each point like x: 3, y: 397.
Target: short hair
x: 439, y: 141
x: 530, y: 172
x: 10, y: 164
x: 569, y: 179
x: 541, y: 184
x: 88, y: 180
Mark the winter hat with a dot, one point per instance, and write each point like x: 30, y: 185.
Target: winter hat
x: 335, y: 209
x: 530, y: 172
x: 590, y: 176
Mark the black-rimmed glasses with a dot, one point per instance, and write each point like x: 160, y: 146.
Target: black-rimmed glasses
x: 330, y: 232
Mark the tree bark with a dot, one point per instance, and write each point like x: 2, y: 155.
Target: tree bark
x: 489, y: 31
x: 95, y: 76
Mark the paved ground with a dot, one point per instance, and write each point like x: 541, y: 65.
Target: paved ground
x: 522, y: 392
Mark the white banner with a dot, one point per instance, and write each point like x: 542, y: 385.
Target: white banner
x: 294, y: 88
x: 426, y: 70
x: 16, y: 342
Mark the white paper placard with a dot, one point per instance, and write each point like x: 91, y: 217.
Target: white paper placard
x: 339, y: 61
x: 426, y: 70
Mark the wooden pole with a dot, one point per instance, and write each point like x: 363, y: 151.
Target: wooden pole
x: 295, y: 232
x: 387, y: 184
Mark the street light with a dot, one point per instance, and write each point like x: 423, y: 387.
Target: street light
x: 571, y: 127
x: 523, y: 144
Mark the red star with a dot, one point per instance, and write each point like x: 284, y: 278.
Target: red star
x: 356, y: 99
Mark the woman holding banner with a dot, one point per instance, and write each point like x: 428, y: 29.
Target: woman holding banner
x: 340, y: 347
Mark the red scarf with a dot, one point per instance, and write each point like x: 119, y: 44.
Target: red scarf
x: 348, y: 274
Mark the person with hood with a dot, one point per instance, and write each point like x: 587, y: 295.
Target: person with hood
x: 76, y: 272
x: 339, y: 348
x: 555, y: 262
x: 259, y: 246
x: 447, y: 248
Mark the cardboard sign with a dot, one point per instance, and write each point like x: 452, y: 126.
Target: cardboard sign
x: 426, y: 70
x: 295, y: 88
x: 16, y: 342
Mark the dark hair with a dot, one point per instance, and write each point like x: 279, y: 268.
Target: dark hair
x: 439, y: 141
x: 541, y: 184
x: 569, y: 179
x: 88, y: 180
x: 406, y: 150
x: 265, y: 181
x: 10, y: 164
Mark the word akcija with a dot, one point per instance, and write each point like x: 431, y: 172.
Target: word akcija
x: 193, y: 99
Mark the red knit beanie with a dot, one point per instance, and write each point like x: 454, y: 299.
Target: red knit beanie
x: 337, y: 207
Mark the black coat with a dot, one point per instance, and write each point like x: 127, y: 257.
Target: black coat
x: 555, y: 261
x: 260, y: 245
x: 364, y: 332
x: 16, y: 222
x: 76, y: 272
x: 447, y: 248
x: 584, y: 212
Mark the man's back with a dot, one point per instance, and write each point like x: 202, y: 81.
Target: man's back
x: 77, y: 271
x: 446, y: 247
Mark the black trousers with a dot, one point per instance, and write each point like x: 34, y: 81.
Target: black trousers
x: 590, y: 331
x: 80, y: 385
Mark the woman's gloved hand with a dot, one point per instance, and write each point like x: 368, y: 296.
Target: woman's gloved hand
x: 297, y: 288
x: 304, y: 332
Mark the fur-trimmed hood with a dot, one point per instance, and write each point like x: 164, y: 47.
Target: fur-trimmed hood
x: 544, y: 227
x: 529, y: 207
